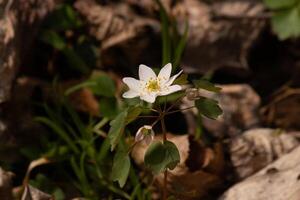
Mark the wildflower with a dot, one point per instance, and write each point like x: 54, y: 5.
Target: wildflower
x: 145, y: 133
x: 150, y: 86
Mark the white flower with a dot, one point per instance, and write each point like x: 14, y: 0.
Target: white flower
x: 145, y: 133
x: 150, y: 86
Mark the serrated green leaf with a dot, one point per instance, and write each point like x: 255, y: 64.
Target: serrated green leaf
x: 286, y: 23
x: 208, y: 107
x: 206, y: 85
x: 116, y: 129
x: 133, y: 113
x: 105, y: 86
x: 280, y: 4
x: 161, y: 156
x: 121, y: 167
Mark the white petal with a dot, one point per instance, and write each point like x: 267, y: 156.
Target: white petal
x: 172, y: 79
x: 145, y: 73
x: 170, y: 89
x: 165, y: 72
x: 149, y: 138
x: 132, y: 83
x: 139, y: 136
x: 130, y: 94
x: 150, y: 98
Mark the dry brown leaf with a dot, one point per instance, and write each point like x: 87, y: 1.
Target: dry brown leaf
x: 85, y: 101
x: 257, y: 148
x: 33, y: 164
x: 6, y: 185
x: 277, y: 181
x: 209, y: 33
x: 240, y: 104
x: 31, y: 193
x: 198, y: 171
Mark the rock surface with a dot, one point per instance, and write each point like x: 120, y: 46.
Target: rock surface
x: 278, y: 181
x: 256, y: 148
x: 5, y: 185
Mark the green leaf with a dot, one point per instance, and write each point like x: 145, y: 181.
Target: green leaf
x: 59, y: 131
x: 121, y: 167
x: 286, y: 23
x: 105, y: 86
x: 54, y: 39
x: 166, y: 40
x: 181, y: 80
x: 208, y: 107
x: 116, y: 129
x: 64, y: 17
x: 180, y: 47
x: 74, y: 61
x: 206, y: 85
x: 280, y: 4
x: 108, y: 107
x: 161, y: 156
x: 133, y: 113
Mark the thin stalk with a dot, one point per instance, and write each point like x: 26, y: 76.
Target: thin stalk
x: 163, y: 127
x: 179, y: 110
x: 147, y: 116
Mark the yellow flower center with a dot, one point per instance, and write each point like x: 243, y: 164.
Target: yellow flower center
x: 153, y: 85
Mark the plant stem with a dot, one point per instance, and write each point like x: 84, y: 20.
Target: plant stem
x: 179, y: 110
x: 163, y: 127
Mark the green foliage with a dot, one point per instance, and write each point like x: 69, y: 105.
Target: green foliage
x: 275, y: 4
x: 108, y: 107
x: 208, y: 107
x: 117, y: 125
x: 41, y: 181
x: 121, y: 167
x: 161, y: 156
x: 104, y: 86
x: 62, y: 18
x: 286, y: 17
x: 173, y: 43
x: 54, y: 39
x: 206, y: 85
x: 61, y: 30
x: 117, y: 128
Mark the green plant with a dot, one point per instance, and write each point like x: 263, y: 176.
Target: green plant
x: 285, y: 18
x: 98, y: 156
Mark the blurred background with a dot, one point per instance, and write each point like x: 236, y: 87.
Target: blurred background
x: 61, y: 69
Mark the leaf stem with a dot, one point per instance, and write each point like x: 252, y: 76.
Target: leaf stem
x: 179, y: 110
x: 163, y: 127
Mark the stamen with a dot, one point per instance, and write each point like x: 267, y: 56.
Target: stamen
x: 153, y: 85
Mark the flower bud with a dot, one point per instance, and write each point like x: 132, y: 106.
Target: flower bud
x: 192, y: 94
x: 145, y: 134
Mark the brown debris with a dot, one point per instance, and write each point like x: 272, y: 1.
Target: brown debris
x: 6, y: 185
x: 84, y: 100
x: 256, y: 148
x: 198, y: 172
x: 277, y: 181
x: 211, y: 29
x: 31, y: 193
x: 15, y: 40
x: 240, y: 104
x: 284, y: 109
